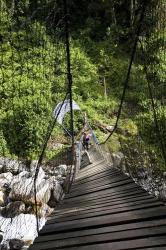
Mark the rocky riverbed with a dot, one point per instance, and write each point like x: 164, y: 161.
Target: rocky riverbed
x: 145, y: 176
x: 17, y: 200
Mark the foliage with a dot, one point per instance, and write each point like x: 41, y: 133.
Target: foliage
x: 25, y: 91
x: 33, y: 71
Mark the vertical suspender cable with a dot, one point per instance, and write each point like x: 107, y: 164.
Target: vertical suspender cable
x: 69, y: 75
x: 69, y: 91
x: 142, y: 14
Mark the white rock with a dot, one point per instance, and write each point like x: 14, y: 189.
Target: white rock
x: 110, y: 128
x: 23, y: 189
x: 61, y: 169
x: 13, y: 209
x: 57, y: 191
x: 117, y: 159
x: 41, y: 175
x: 4, y: 223
x: 2, y: 198
x: 2, y: 161
x: 22, y: 227
x: 5, y: 178
x: 13, y: 166
x: 33, y: 166
x: 19, y: 177
x: 16, y: 244
x: 1, y: 168
x: 44, y: 211
x: 60, y: 179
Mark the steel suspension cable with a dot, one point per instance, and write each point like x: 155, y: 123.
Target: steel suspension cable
x: 144, y: 5
x: 47, y: 137
x: 69, y: 75
x: 50, y: 129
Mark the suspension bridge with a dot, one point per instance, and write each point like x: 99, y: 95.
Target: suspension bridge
x: 105, y: 209
x: 102, y: 205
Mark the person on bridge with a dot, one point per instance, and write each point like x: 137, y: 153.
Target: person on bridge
x: 86, y: 140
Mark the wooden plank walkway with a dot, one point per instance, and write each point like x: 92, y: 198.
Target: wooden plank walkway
x: 105, y: 210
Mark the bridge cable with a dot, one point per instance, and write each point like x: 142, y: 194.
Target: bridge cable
x: 50, y: 128
x: 69, y: 75
x: 144, y: 5
x: 160, y: 138
x: 47, y: 137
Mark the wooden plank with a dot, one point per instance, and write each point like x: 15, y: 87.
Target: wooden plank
x: 153, y: 248
x: 108, y: 195
x: 123, y: 187
x: 99, y: 179
x: 120, y: 197
x: 96, y: 175
x: 153, y: 241
x: 97, y: 202
x: 126, y: 245
x: 105, y: 206
x: 107, y: 237
x: 98, y: 170
x: 108, y: 182
x: 100, y: 188
x: 105, y: 220
x: 107, y: 211
x: 102, y: 203
x: 102, y: 230
x: 94, y: 179
x: 96, y: 167
x: 93, y: 169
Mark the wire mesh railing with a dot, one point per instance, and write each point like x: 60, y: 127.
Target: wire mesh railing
x: 32, y: 40
x: 140, y: 128
x: 144, y: 167
x: 31, y: 86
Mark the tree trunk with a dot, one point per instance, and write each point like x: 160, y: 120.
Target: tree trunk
x: 105, y: 87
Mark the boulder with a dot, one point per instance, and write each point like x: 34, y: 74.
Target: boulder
x: 2, y: 161
x: 13, y: 166
x: 60, y: 179
x: 16, y: 244
x: 62, y: 169
x: 19, y: 177
x: 5, y: 179
x: 1, y: 236
x: 40, y: 176
x: 23, y: 189
x: 57, y: 191
x: 42, y: 211
x: 2, y: 198
x: 13, y: 209
x: 117, y: 159
x: 33, y: 166
x: 4, y: 223
x: 3, y: 247
x: 21, y: 227
x: 1, y: 168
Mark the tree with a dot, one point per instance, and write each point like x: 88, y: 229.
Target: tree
x: 26, y: 98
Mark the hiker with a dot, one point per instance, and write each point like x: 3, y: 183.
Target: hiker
x: 86, y: 139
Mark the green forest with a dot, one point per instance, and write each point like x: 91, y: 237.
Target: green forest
x: 102, y: 36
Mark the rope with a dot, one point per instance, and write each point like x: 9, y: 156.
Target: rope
x: 49, y: 132
x: 70, y: 83
x: 151, y: 93
x: 69, y: 75
x: 129, y: 68
x: 160, y: 139
x: 50, y: 129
